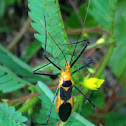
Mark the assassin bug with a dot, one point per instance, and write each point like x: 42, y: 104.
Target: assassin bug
x: 64, y: 101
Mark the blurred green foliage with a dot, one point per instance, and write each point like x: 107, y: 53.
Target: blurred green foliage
x: 2, y: 6
x: 4, y: 3
x: 118, y: 60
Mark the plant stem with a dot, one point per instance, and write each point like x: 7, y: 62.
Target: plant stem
x: 19, y: 34
x: 105, y: 61
x: 29, y: 104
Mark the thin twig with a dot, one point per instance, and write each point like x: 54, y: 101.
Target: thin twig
x: 121, y: 97
x: 19, y: 34
x: 121, y: 86
x: 113, y: 99
x: 117, y: 81
x: 28, y: 96
x: 119, y: 106
x: 77, y: 31
x: 58, y: 123
x: 85, y: 30
x: 23, y: 98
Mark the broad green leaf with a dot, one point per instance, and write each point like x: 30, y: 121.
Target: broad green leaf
x: 10, y: 117
x: 73, y: 20
x: 77, y: 120
x: 85, y: 108
x: 4, y: 28
x: 9, y: 81
x: 19, y: 67
x: 31, y: 50
x: 98, y: 98
x: 54, y: 25
x: 46, y: 96
x: 118, y: 58
x: 10, y: 2
x: 2, y: 8
x: 103, y: 12
x: 115, y: 119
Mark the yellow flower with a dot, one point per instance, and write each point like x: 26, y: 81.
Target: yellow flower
x: 101, y: 40
x: 93, y: 83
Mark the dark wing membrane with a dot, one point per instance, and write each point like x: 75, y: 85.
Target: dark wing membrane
x: 65, y: 95
x: 64, y: 111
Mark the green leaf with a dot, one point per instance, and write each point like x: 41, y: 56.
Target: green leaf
x: 46, y: 96
x: 74, y: 22
x: 4, y: 28
x: 31, y: 50
x: 77, y: 120
x: 118, y: 58
x: 9, y: 81
x: 54, y: 26
x: 10, y: 117
x: 98, y: 98
x: 103, y: 12
x: 19, y: 67
x: 2, y: 8
x: 85, y: 108
x: 10, y: 2
x: 115, y: 119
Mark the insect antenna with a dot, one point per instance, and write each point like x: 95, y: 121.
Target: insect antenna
x: 53, y: 38
x: 80, y: 32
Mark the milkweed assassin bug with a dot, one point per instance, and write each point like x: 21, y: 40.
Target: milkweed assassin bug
x: 65, y: 101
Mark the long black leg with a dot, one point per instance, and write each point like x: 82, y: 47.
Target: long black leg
x: 89, y: 59
x: 45, y: 47
x: 87, y: 64
x: 79, y: 55
x: 46, y: 74
x: 51, y: 106
x: 35, y: 71
x: 86, y: 97
x: 73, y: 43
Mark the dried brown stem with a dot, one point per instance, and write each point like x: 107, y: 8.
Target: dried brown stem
x: 121, y: 86
x: 19, y: 34
x: 119, y: 106
x: 28, y: 96
x: 23, y: 98
x: 113, y: 99
x: 85, y: 30
x: 117, y: 81
x: 77, y: 31
x: 121, y: 97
